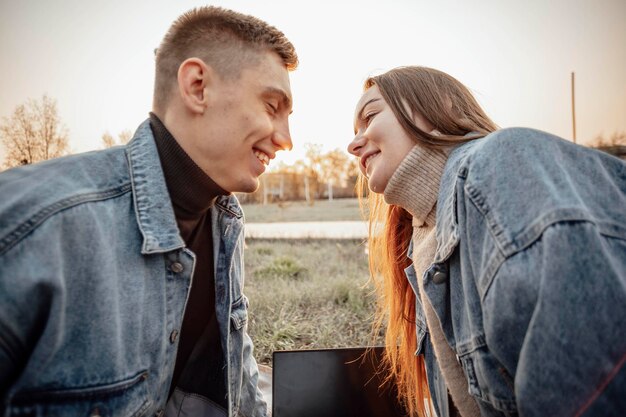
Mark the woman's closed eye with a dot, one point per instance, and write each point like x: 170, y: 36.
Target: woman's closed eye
x: 367, y: 118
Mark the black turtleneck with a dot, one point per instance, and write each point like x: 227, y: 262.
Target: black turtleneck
x: 193, y: 193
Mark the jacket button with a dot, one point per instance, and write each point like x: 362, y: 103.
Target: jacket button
x: 439, y: 277
x: 160, y: 413
x: 176, y: 267
x: 173, y: 336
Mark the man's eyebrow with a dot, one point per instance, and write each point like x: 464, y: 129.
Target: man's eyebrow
x: 360, y: 116
x: 280, y: 92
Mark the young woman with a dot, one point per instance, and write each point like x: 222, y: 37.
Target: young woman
x: 499, y: 255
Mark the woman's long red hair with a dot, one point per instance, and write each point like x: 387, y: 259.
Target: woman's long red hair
x: 390, y: 232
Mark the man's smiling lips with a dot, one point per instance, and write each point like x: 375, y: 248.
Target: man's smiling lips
x: 262, y: 156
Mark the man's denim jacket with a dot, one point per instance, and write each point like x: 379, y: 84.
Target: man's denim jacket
x: 529, y: 277
x: 94, y: 278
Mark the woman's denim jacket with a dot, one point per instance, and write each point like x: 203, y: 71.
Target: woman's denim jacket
x: 529, y: 277
x: 94, y: 278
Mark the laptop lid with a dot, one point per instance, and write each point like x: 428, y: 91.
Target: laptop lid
x: 331, y: 382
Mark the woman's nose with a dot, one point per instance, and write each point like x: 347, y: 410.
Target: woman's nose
x: 356, y: 145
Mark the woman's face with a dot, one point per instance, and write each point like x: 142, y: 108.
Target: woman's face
x: 380, y: 142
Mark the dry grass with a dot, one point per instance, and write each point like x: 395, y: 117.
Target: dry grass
x: 307, y: 294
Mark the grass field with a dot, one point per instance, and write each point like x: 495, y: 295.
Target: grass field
x: 307, y: 294
x: 301, y: 211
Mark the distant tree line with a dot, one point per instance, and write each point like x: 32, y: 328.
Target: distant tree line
x: 614, y: 144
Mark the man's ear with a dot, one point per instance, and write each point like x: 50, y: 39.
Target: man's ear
x: 194, y: 78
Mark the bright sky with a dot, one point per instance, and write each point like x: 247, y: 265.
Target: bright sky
x: 96, y: 59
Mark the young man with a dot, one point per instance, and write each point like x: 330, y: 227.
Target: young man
x: 121, y: 271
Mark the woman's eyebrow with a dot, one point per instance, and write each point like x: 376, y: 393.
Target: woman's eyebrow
x: 360, y: 116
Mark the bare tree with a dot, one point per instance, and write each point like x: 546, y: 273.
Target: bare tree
x: 334, y: 167
x: 312, y: 168
x: 33, y: 133
x: 123, y: 137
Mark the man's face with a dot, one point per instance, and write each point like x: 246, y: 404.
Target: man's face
x: 245, y: 124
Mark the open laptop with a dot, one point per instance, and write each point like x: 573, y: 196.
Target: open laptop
x: 331, y: 382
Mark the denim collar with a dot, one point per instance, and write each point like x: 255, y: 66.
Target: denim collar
x: 153, y: 207
x: 447, y: 222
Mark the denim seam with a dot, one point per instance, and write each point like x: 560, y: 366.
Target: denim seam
x: 223, y: 207
x: 510, y: 246
x: 13, y: 237
x: 146, y: 404
x: 9, y: 342
x: 93, y: 391
x: 479, y: 201
x: 538, y: 227
x: 473, y: 345
x: 239, y: 320
x: 532, y: 235
x: 487, y: 277
x: 475, y: 389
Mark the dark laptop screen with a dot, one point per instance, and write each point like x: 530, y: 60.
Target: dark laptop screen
x: 331, y: 382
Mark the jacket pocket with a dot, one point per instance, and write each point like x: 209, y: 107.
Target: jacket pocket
x: 124, y: 398
x: 239, y: 313
x: 487, y: 380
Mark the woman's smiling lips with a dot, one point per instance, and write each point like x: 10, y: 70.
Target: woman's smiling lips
x: 365, y: 160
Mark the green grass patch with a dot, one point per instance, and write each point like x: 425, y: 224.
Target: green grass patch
x: 282, y: 267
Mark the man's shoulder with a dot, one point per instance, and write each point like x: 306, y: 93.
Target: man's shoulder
x: 33, y: 193
x: 65, y: 176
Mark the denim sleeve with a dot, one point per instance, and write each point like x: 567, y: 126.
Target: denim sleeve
x: 555, y: 316
x: 251, y: 378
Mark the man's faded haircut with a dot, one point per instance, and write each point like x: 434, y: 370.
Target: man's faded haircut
x: 225, y: 40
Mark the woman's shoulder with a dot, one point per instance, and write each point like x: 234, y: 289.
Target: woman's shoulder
x: 516, y: 142
x: 529, y: 152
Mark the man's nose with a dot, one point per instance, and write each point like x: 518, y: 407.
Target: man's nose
x: 282, y: 137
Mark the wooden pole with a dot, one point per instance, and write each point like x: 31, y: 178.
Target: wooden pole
x: 573, y: 110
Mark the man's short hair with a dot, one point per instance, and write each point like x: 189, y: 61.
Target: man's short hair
x: 224, y: 39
